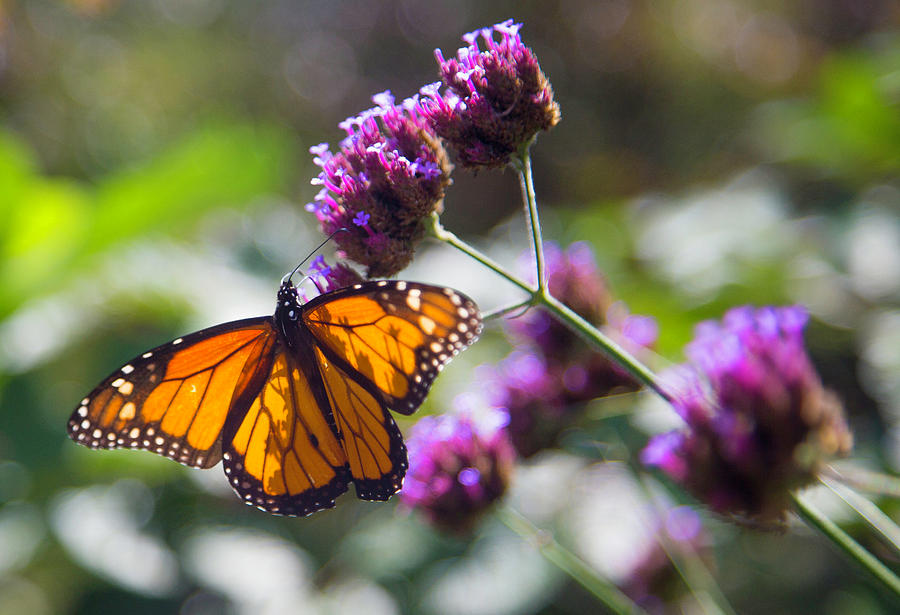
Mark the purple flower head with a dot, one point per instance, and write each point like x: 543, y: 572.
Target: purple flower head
x: 573, y: 278
x: 758, y: 420
x: 531, y: 393
x: 496, y: 100
x: 328, y: 278
x: 545, y: 383
x: 460, y: 463
x: 388, y: 175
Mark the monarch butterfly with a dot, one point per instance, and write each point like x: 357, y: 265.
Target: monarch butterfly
x: 295, y: 404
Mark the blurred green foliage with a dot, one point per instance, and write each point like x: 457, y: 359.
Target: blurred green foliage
x: 851, y: 128
x: 52, y: 226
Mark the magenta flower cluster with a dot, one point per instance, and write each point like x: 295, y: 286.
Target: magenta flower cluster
x: 758, y: 420
x: 387, y: 177
x: 391, y: 170
x: 496, y: 100
x: 328, y: 278
x: 459, y: 464
x: 550, y: 375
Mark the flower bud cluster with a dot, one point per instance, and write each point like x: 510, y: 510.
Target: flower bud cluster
x: 758, y: 420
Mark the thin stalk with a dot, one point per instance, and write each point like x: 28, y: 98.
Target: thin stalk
x: 850, y: 547
x: 529, y: 199
x: 594, y: 336
x: 869, y: 512
x: 864, y: 480
x: 503, y: 311
x: 439, y: 232
x: 607, y: 593
x: 541, y: 295
x: 687, y: 563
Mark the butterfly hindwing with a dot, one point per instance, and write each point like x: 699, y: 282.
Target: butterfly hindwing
x: 375, y: 451
x: 283, y: 455
x: 174, y: 399
x: 396, y: 336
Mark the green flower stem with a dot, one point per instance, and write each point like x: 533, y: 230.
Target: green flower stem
x: 503, y: 311
x: 523, y: 166
x: 542, y: 296
x: 594, y: 336
x: 607, y: 593
x: 864, y: 480
x: 850, y: 547
x: 622, y: 357
x: 870, y: 513
x: 684, y: 558
x: 439, y: 232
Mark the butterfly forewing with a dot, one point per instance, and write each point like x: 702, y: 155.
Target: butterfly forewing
x: 395, y: 336
x: 174, y: 399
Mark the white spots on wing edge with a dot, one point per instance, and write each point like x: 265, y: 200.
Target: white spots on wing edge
x: 427, y: 324
x: 127, y: 412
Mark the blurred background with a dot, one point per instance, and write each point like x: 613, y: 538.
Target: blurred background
x: 153, y: 172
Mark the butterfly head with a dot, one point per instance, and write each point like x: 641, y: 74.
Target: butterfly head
x: 288, y: 303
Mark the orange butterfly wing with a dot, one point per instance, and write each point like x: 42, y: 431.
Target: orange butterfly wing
x: 284, y: 455
x: 393, y: 336
x: 380, y: 345
x: 375, y: 451
x: 174, y: 399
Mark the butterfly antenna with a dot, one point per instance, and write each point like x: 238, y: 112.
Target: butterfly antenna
x: 308, y: 256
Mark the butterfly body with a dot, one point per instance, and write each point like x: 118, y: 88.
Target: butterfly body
x: 295, y: 404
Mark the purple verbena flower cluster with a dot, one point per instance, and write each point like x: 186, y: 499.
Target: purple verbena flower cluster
x: 551, y: 373
x: 496, y: 100
x: 387, y: 177
x: 572, y: 277
x: 759, y: 421
x: 328, y: 278
x: 460, y: 464
x: 391, y: 170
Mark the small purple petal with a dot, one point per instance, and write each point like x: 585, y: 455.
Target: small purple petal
x: 683, y: 523
x: 318, y: 264
x: 469, y: 476
x: 383, y: 99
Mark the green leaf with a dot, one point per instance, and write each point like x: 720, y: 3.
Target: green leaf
x: 217, y: 166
